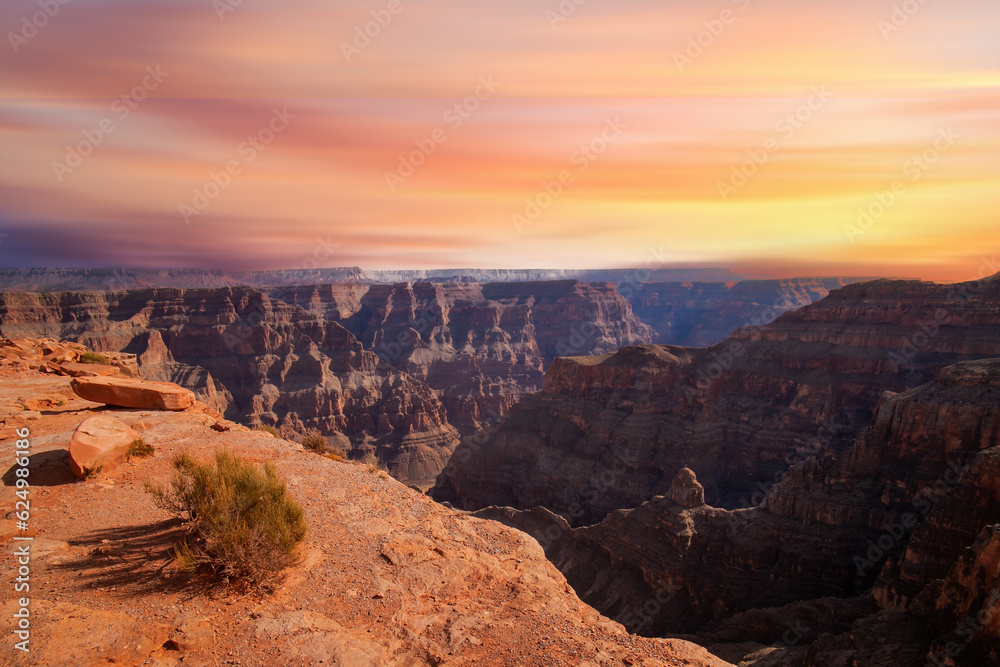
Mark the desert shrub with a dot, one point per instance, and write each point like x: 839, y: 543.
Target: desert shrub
x: 93, y: 358
x: 243, y: 527
x: 371, y: 463
x: 139, y: 449
x: 268, y: 429
x: 315, y: 441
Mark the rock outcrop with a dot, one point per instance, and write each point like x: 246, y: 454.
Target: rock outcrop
x: 610, y: 432
x: 49, y: 355
x: 258, y: 361
x: 386, y: 578
x: 133, y: 393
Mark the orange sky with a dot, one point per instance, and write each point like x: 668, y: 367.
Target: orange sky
x: 742, y: 133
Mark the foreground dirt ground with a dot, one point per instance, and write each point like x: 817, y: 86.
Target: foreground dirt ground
x: 386, y: 576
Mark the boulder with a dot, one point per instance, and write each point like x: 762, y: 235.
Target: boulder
x: 133, y: 393
x: 99, y: 442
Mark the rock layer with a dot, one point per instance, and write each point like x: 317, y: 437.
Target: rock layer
x: 258, y: 361
x: 481, y: 346
x: 610, y: 432
x: 903, y: 525
x: 702, y: 314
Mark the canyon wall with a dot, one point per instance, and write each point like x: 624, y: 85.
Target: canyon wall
x: 257, y: 360
x: 482, y: 347
x: 701, y: 314
x: 610, y: 432
x: 886, y: 553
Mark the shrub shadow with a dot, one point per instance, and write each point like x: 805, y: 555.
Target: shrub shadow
x: 135, y: 560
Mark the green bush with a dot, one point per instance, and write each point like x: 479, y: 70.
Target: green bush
x: 315, y: 441
x: 268, y: 429
x: 139, y: 450
x: 243, y: 526
x: 93, y: 358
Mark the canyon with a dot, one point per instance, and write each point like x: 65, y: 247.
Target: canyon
x: 608, y: 432
x: 797, y: 472
x: 459, y: 355
x: 699, y: 314
x: 479, y: 346
x: 818, y: 491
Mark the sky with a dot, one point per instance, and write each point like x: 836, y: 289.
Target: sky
x: 777, y: 138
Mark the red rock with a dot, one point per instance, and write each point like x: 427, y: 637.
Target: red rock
x: 686, y: 491
x: 133, y: 393
x: 100, y: 442
x: 76, y: 369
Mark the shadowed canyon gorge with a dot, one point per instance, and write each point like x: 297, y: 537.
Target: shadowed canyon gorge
x: 786, y: 472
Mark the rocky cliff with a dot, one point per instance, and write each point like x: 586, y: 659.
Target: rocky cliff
x: 385, y: 577
x: 259, y: 361
x: 887, y: 553
x: 702, y: 314
x: 609, y: 432
x: 482, y: 347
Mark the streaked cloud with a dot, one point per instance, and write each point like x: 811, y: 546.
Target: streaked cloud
x: 324, y: 176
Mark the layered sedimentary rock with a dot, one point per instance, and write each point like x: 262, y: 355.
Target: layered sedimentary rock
x: 481, y: 347
x: 610, y: 432
x: 700, y: 314
x: 911, y: 507
x: 258, y: 361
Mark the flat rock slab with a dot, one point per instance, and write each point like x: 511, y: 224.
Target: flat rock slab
x: 99, y: 442
x: 77, y: 369
x: 133, y: 393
